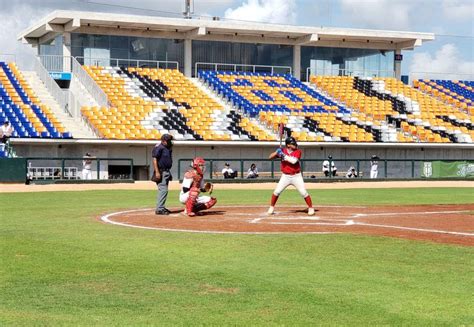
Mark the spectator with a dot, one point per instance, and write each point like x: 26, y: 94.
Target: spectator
x: 252, y: 172
x: 87, y: 167
x: 6, y: 131
x: 351, y: 173
x: 228, y: 172
x: 374, y: 166
x: 326, y: 163
x: 162, y: 163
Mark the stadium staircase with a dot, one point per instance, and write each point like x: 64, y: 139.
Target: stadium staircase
x: 77, y: 128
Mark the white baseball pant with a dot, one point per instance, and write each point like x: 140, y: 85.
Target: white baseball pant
x: 373, y: 173
x: 183, y: 197
x: 286, y: 180
x: 86, y: 174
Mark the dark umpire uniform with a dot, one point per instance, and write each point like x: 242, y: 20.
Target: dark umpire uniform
x: 162, y: 163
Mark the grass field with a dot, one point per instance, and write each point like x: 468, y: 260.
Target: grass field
x: 60, y: 266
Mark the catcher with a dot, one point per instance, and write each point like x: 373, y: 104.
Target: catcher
x: 193, y: 185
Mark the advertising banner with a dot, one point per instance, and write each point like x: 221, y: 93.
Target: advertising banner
x: 444, y: 169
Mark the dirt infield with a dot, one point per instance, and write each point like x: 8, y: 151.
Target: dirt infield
x: 453, y: 224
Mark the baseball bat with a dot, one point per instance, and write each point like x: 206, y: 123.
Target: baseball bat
x: 280, y: 133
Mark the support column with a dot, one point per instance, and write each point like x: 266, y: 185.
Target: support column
x: 398, y: 65
x: 188, y: 57
x: 297, y: 61
x: 66, y: 52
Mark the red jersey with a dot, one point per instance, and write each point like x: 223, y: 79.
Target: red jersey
x: 289, y: 168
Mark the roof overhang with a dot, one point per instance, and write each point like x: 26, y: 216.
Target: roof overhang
x: 59, y: 22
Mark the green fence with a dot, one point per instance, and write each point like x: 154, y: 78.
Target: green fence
x: 12, y: 170
x: 70, y: 169
x: 312, y: 168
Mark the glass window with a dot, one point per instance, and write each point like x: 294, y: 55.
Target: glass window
x: 241, y: 54
x: 346, y: 61
x: 130, y: 51
x: 52, y: 47
x: 119, y: 42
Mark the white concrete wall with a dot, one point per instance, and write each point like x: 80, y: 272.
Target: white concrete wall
x: 344, y: 155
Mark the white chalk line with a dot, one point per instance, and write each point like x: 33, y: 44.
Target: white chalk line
x: 415, y: 229
x: 361, y: 215
x: 107, y: 219
x: 348, y: 222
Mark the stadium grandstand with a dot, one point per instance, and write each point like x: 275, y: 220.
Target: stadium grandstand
x: 116, y: 83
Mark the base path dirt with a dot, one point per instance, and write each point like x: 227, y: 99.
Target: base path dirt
x: 147, y: 185
x: 453, y: 224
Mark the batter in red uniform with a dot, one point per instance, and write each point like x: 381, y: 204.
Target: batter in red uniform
x: 290, y: 174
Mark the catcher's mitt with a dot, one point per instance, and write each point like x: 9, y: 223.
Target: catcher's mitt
x: 208, y: 187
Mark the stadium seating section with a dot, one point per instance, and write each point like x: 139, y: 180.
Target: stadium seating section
x: 409, y: 115
x: 276, y: 98
x: 457, y: 93
x: 20, y: 106
x: 146, y: 103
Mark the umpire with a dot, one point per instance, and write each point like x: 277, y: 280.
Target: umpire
x: 162, y: 163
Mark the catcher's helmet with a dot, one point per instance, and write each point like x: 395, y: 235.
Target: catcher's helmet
x: 291, y: 140
x: 199, y: 162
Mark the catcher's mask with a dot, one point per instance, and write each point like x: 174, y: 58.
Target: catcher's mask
x: 291, y: 140
x: 200, y: 165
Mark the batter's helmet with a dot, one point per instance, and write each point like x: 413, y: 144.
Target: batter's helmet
x: 291, y: 140
x: 197, y: 163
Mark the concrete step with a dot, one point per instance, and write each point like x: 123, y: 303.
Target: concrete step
x: 75, y: 127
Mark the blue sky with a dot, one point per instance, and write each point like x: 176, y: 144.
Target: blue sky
x: 451, y: 20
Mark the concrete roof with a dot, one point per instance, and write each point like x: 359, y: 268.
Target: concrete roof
x: 217, y: 30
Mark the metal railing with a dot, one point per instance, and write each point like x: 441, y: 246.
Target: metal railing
x: 62, y: 168
x: 241, y: 68
x: 88, y: 82
x: 57, y: 93
x: 348, y: 72
x: 312, y: 168
x: 56, y: 63
x: 117, y: 62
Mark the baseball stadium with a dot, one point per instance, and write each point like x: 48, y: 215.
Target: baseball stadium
x: 170, y: 167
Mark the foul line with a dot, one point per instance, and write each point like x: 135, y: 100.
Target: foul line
x: 416, y: 229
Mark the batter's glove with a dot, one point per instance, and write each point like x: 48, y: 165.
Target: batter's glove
x: 279, y: 152
x: 208, y: 187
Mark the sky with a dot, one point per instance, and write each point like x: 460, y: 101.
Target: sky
x: 452, y: 21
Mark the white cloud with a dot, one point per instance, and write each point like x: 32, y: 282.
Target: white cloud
x: 458, y: 9
x: 267, y: 11
x: 446, y: 63
x: 379, y: 14
x: 13, y: 22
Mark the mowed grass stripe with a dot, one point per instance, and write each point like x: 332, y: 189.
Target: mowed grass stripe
x: 60, y: 266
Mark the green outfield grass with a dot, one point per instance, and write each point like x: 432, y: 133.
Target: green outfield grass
x: 60, y: 266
